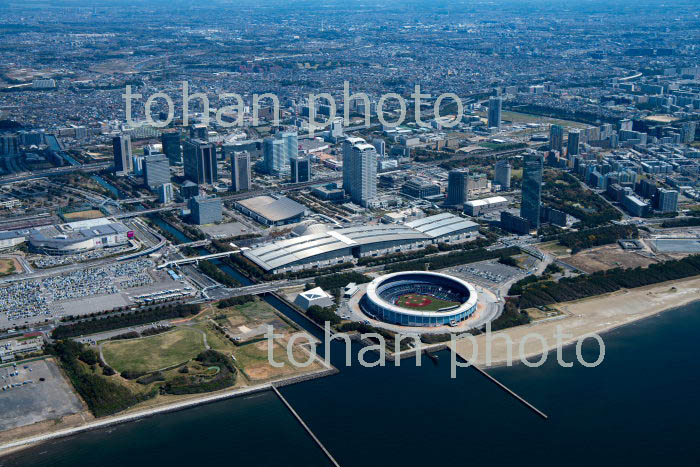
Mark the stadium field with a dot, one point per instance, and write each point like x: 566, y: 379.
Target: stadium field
x: 423, y: 302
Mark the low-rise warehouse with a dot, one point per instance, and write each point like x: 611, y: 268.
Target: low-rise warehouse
x: 337, y: 246
x: 480, y: 206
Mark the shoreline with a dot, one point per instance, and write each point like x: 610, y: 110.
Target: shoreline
x: 599, y: 315
x: 35, y: 440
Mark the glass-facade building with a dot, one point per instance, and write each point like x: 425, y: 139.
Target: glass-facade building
x: 533, y: 166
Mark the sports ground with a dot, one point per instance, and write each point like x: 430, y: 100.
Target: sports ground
x: 423, y: 302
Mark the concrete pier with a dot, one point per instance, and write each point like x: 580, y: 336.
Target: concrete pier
x: 305, y: 426
x: 506, y: 389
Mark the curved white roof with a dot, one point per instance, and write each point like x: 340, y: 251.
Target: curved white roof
x: 371, y: 292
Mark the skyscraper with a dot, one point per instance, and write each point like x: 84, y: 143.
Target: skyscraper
x: 165, y: 193
x: 123, y: 164
x: 171, y: 146
x: 337, y: 128
x: 556, y: 138
x: 200, y: 162
x: 300, y: 169
x: 199, y: 131
x: 277, y: 150
x: 360, y: 171
x: 380, y: 146
x: 156, y: 170
x: 205, y: 210
x: 495, y: 104
x: 503, y: 173
x: 667, y: 200
x: 240, y: 171
x: 573, y: 143
x: 457, y: 191
x: 533, y: 166
x: 347, y: 156
x: 9, y: 145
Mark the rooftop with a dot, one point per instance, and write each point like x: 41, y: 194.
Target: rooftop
x: 273, y: 209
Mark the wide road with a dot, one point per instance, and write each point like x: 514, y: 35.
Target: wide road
x: 96, y: 167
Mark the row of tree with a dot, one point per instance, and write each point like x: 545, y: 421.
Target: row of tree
x: 574, y: 288
x: 211, y: 270
x: 583, y: 239
x: 453, y: 259
x: 108, y: 323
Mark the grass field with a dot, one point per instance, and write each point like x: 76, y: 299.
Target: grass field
x: 518, y: 117
x: 8, y: 266
x: 83, y: 215
x: 423, y: 302
x: 253, y: 358
x: 153, y: 353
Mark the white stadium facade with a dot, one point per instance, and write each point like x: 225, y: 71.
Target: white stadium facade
x: 323, y: 249
x: 71, y: 238
x: 380, y: 298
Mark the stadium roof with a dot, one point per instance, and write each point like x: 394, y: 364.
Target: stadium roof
x: 273, y: 209
x: 441, y: 225
x: 282, y: 253
x: 286, y: 252
x: 64, y: 234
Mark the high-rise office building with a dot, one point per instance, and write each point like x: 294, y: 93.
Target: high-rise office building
x: 360, y: 171
x: 573, y: 143
x: 123, y: 164
x: 240, y: 171
x: 457, y: 187
x: 165, y: 193
x: 156, y: 170
x: 347, y: 154
x: 556, y: 138
x: 495, y: 104
x: 277, y: 150
x: 273, y: 156
x: 199, y: 131
x: 380, y: 146
x: 533, y: 165
x: 300, y: 169
x: 171, y: 146
x: 503, y: 173
x: 9, y: 145
x: 291, y: 144
x: 199, y: 159
x: 337, y: 128
x: 205, y: 210
x: 137, y: 164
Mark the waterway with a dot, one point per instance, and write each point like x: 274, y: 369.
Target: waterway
x: 639, y: 407
x: 54, y: 145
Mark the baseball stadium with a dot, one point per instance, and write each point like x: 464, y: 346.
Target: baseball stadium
x: 419, y: 298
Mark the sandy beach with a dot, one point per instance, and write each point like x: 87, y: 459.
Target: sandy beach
x: 591, y: 315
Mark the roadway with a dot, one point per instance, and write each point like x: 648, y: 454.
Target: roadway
x: 95, y: 167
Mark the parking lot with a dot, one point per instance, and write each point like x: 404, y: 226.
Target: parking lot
x: 487, y: 273
x: 34, y: 300
x: 37, y: 391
